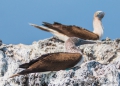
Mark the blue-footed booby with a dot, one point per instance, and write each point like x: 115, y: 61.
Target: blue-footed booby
x: 63, y: 32
x: 56, y: 61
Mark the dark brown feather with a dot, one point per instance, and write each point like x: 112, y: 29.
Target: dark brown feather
x: 51, y: 62
x: 72, y: 31
x: 26, y: 65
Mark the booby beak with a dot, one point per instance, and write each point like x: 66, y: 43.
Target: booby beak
x: 79, y: 41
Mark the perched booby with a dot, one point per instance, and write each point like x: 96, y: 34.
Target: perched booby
x: 55, y: 61
x: 63, y: 32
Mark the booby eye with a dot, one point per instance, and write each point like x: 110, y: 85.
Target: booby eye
x: 99, y: 13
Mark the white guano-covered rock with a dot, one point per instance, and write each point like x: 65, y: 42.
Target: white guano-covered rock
x: 101, y: 65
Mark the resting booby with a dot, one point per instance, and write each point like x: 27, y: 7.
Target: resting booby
x: 63, y: 32
x: 55, y: 61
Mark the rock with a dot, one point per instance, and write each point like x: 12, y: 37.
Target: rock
x: 101, y: 65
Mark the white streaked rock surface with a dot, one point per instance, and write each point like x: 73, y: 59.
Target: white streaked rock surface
x: 101, y: 66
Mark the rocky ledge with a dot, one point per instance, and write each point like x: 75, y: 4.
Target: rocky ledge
x: 101, y: 65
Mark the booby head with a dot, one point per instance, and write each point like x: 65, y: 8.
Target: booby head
x: 75, y: 40
x: 99, y: 14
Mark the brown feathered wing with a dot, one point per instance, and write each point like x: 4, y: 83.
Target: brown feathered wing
x: 69, y: 30
x: 50, y: 62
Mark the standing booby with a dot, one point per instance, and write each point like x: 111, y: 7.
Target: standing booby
x: 55, y: 61
x: 63, y: 32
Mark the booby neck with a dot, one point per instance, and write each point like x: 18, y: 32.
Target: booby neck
x: 98, y: 28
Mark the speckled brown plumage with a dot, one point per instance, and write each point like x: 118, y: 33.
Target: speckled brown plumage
x: 72, y: 31
x: 50, y: 62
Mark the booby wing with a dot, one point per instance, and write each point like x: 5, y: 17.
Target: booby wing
x: 51, y: 62
x: 68, y: 30
x: 27, y: 65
